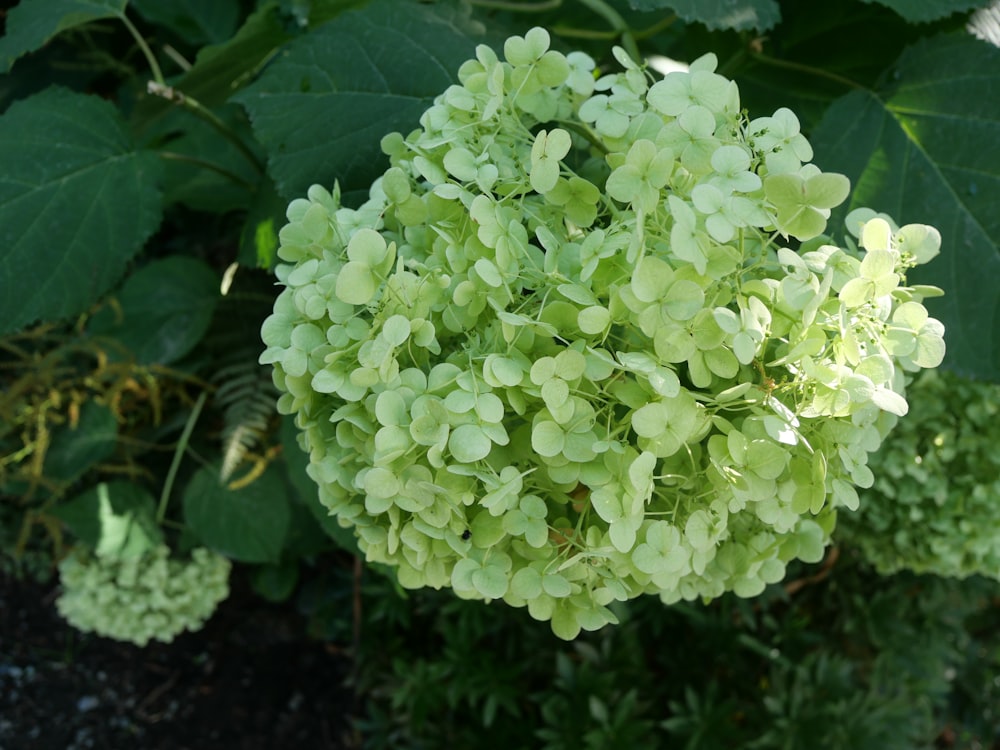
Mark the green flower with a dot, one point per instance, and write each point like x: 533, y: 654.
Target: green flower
x: 141, y: 598
x: 559, y: 357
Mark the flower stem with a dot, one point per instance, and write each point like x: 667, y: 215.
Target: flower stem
x: 154, y: 66
x: 205, y: 164
x: 197, y: 108
x: 516, y: 7
x: 614, y: 18
x: 175, y: 464
x: 802, y: 68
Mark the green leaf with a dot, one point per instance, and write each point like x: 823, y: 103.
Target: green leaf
x: 927, y: 150
x: 247, y: 524
x: 275, y: 582
x: 114, y: 518
x: 195, y: 21
x: 322, y: 108
x: 34, y: 22
x: 165, y: 309
x: 922, y: 11
x: 76, y: 203
x: 75, y: 449
x: 719, y: 14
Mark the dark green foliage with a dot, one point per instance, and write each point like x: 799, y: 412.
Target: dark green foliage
x: 163, y: 310
x: 935, y: 505
x: 854, y: 661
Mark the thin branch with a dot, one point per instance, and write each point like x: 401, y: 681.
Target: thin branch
x: 154, y: 66
x: 802, y: 68
x: 197, y: 108
x: 515, y: 7
x: 205, y: 164
x: 614, y: 18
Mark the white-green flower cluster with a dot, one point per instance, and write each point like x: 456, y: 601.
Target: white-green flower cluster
x: 561, y: 356
x: 142, y: 597
x: 935, y: 504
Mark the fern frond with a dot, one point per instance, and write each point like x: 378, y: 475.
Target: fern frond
x: 247, y: 398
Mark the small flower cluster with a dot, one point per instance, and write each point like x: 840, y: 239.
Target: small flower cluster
x: 561, y: 358
x: 142, y: 597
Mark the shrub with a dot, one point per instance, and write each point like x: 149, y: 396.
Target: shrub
x: 935, y: 504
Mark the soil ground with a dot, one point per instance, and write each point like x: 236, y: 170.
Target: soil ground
x: 250, y: 680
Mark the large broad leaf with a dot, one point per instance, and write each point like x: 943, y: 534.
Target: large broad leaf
x: 921, y: 11
x: 323, y: 106
x: 927, y: 150
x: 33, y: 22
x: 76, y: 204
x: 805, y: 65
x: 248, y: 524
x: 720, y: 14
x: 163, y: 310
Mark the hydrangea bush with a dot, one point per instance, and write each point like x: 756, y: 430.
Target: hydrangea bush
x: 935, y: 504
x: 142, y: 597
x: 563, y: 355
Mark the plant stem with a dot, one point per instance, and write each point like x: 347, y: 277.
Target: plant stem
x: 613, y: 17
x: 197, y: 108
x: 175, y: 464
x: 577, y: 33
x: 205, y: 164
x: 802, y: 68
x: 154, y: 66
x: 177, y: 57
x: 656, y: 28
x: 581, y: 129
x: 539, y: 7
